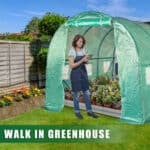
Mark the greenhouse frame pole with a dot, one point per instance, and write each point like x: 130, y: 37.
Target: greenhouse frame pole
x: 99, y: 48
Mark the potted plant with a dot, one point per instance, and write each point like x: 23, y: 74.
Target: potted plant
x: 99, y: 101
x: 116, y: 102
x: 93, y: 98
x: 107, y: 101
x: 99, y: 96
x: 116, y: 97
x: 68, y: 94
x: 103, y: 79
x: 81, y: 98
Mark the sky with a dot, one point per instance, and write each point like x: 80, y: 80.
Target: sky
x: 15, y: 14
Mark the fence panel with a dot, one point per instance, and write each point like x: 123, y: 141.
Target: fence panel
x: 18, y: 65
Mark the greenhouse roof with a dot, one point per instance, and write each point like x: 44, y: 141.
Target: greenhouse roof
x: 89, y: 18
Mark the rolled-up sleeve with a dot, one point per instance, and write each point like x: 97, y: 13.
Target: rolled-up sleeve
x: 71, y: 53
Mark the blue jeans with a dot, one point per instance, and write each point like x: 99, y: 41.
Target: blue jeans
x: 86, y: 95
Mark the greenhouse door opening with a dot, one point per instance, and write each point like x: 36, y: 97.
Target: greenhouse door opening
x: 99, y: 43
x: 103, y: 66
x: 111, y: 60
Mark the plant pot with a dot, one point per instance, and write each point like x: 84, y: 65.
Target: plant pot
x: 107, y: 105
x: 69, y: 98
x: 113, y: 106
x: 66, y: 97
x: 99, y: 104
x: 116, y: 106
x: 81, y: 99
x: 93, y: 102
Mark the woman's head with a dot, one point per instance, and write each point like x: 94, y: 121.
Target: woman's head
x: 78, y: 41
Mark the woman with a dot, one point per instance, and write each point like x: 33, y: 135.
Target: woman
x: 78, y: 75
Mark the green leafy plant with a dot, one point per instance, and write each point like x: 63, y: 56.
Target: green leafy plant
x: 2, y: 103
x: 15, y: 37
x: 107, y: 100
x: 42, y: 55
x: 18, y: 98
x: 105, y: 90
x: 17, y: 95
x: 50, y: 22
x: 25, y: 92
x: 102, y: 79
x: 8, y: 100
x: 34, y: 91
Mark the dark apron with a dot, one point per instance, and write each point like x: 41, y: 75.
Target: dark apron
x: 79, y: 77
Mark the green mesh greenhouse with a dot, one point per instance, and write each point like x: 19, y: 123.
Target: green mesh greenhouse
x: 108, y: 39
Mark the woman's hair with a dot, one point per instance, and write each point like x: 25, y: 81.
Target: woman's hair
x: 76, y: 38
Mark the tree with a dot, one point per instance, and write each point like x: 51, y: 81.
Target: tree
x: 50, y: 23
x: 32, y: 26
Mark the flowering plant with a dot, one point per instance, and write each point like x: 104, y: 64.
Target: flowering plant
x: 35, y: 91
x: 2, y: 103
x: 8, y: 100
x: 17, y: 95
x: 25, y: 92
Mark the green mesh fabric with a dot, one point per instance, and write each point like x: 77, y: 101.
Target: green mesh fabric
x: 106, y: 37
x: 133, y: 47
x: 89, y: 19
x: 55, y: 61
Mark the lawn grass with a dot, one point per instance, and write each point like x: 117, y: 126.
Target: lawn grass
x: 136, y: 137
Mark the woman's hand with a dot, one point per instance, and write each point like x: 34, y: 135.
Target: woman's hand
x: 86, y: 58
x: 73, y: 64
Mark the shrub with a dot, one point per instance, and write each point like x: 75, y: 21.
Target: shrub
x: 14, y: 37
x: 42, y: 55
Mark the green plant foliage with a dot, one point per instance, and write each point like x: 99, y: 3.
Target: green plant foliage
x: 32, y: 26
x: 42, y: 55
x: 50, y: 23
x: 18, y: 97
x: 7, y: 102
x: 105, y: 90
x: 2, y: 103
x: 45, y: 38
x: 14, y: 37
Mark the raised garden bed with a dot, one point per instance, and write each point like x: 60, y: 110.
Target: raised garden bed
x: 19, y: 101
x: 22, y: 106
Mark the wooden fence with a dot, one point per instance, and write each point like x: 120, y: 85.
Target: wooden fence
x: 18, y: 65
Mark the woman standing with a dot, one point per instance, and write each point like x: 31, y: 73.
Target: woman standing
x: 78, y: 76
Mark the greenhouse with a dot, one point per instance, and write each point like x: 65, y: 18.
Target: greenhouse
x: 120, y: 49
